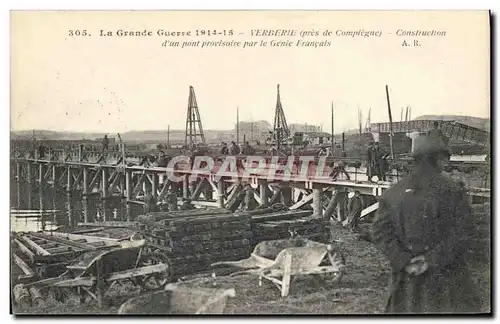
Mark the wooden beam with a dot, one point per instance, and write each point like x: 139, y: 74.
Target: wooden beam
x: 39, y: 250
x: 368, y: 210
x: 25, y: 250
x: 95, y: 179
x: 138, y: 186
x: 305, y: 200
x: 23, y: 266
x: 196, y: 193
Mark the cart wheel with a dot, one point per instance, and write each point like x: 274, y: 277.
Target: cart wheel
x: 336, y: 259
x: 156, y: 280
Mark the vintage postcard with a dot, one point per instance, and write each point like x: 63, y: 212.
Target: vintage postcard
x: 250, y: 162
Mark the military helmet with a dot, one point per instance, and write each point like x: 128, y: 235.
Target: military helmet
x: 428, y: 145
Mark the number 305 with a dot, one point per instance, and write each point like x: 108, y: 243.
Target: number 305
x: 77, y: 32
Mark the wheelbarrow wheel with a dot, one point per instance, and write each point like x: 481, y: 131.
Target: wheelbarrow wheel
x: 335, y: 259
x: 156, y: 280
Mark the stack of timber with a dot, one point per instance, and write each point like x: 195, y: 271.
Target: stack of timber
x: 194, y: 239
x: 46, y: 254
x: 285, y: 224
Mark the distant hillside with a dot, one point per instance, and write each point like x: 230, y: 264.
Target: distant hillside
x: 211, y: 136
x: 52, y: 135
x: 481, y: 123
x: 159, y: 136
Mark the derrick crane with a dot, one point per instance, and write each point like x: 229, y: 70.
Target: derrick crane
x: 194, y: 128
x: 280, y: 130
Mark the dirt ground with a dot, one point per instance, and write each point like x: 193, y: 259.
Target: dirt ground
x: 362, y: 290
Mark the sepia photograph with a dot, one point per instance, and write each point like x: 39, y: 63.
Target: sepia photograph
x: 250, y: 162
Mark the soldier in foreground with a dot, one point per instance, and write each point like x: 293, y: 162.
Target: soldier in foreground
x: 423, y: 226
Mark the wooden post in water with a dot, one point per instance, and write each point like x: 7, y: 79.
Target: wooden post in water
x: 18, y: 171
x: 54, y: 176
x: 390, y: 120
x: 69, y: 181
x: 40, y: 174
x: 105, y: 185
x: 154, y: 185
x: 28, y: 171
x: 85, y: 181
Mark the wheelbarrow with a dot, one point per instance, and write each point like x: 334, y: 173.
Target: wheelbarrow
x: 178, y: 299
x: 279, y: 260
x: 95, y: 273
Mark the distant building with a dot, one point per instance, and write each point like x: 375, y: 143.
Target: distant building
x: 303, y: 128
x: 253, y: 131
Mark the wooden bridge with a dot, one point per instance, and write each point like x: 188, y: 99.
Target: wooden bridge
x: 451, y: 129
x: 110, y: 175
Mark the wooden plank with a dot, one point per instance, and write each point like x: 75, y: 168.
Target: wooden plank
x: 88, y: 238
x: 114, y: 224
x: 38, y: 249
x: 25, y: 250
x: 87, y: 230
x: 23, y: 266
x: 66, y: 241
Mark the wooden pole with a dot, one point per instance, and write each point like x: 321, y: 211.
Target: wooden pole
x: 360, y: 121
x: 343, y: 144
x: 333, y: 133
x: 237, y: 125
x: 168, y: 136
x: 390, y: 120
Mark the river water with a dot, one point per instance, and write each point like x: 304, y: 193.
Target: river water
x: 35, y: 209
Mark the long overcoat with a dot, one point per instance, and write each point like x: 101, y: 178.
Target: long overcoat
x: 427, y: 214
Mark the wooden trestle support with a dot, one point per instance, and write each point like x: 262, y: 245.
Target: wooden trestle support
x: 138, y: 183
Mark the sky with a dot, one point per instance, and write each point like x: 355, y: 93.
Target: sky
x: 119, y: 84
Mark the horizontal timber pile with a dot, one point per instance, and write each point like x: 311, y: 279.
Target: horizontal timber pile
x: 280, y: 225
x: 195, y: 239
x: 192, y: 240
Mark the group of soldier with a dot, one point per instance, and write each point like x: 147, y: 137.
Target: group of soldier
x: 235, y: 149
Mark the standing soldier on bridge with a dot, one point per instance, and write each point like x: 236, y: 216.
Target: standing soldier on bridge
x: 369, y: 164
x: 105, y: 143
x: 224, y: 150
x: 423, y: 227
x: 235, y: 150
x: 248, y: 149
